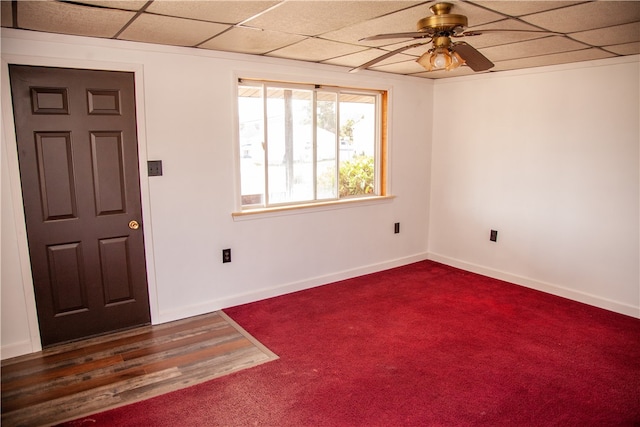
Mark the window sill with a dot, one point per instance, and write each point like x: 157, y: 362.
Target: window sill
x: 308, y: 208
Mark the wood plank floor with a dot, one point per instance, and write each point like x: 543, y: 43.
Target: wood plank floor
x: 81, y: 378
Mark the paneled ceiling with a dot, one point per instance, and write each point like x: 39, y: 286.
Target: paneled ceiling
x: 329, y: 32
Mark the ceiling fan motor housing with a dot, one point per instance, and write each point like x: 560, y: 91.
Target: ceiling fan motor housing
x: 442, y: 20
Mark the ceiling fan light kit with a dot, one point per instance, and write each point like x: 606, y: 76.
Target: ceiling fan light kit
x: 441, y: 56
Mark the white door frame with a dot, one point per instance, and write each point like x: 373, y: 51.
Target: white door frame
x: 9, y: 150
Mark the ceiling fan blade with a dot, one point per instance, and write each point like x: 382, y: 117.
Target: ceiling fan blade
x: 411, y: 35
x: 386, y: 55
x: 480, y: 32
x: 474, y: 59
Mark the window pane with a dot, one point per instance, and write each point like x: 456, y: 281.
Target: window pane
x: 250, y: 112
x: 290, y: 145
x: 357, y: 144
x: 300, y: 144
x: 326, y: 138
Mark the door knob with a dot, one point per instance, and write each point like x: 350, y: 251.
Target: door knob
x: 133, y: 224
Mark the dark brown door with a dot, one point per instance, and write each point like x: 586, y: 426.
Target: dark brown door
x: 78, y: 156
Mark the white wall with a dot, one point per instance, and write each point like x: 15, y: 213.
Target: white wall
x: 186, y: 115
x: 550, y: 159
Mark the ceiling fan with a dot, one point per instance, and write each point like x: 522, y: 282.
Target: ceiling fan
x: 446, y: 54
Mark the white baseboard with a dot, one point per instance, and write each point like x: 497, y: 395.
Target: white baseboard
x: 25, y: 347
x: 274, y: 291
x: 549, y: 288
x: 16, y: 349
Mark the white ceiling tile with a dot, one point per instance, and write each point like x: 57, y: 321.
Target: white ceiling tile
x: 520, y: 8
x: 544, y: 46
x: 554, y: 59
x: 475, y: 15
x: 441, y: 74
x: 624, y: 49
x: 172, y: 31
x: 398, y: 22
x: 116, y: 4
x: 6, y: 14
x: 313, y: 49
x: 229, y: 12
x: 418, y: 51
x: 359, y: 58
x: 247, y: 40
x: 405, y: 67
x: 415, y: 52
x: 619, y: 34
x: 65, y: 18
x: 318, y: 17
x: 587, y: 16
x: 501, y: 38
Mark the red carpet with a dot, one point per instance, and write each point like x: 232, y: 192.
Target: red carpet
x: 419, y: 345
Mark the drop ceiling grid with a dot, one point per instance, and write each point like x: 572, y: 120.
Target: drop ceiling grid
x: 172, y: 31
x: 223, y: 12
x: 329, y: 31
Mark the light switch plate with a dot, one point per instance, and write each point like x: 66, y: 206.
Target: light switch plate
x: 154, y: 167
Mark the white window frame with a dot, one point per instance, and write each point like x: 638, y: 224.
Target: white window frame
x: 380, y: 142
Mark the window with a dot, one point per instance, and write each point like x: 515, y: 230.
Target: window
x: 303, y: 144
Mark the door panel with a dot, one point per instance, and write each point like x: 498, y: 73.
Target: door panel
x: 65, y: 269
x: 116, y: 271
x: 55, y: 168
x: 108, y: 170
x: 78, y: 156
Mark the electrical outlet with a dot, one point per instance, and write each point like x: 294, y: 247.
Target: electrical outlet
x: 226, y: 255
x: 396, y: 227
x: 493, y: 236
